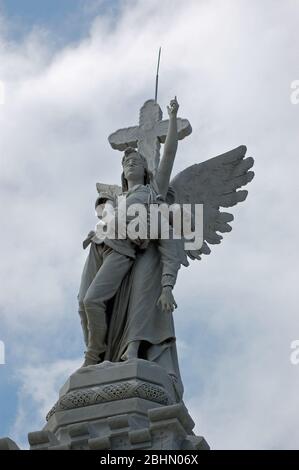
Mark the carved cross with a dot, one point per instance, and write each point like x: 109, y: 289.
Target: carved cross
x: 149, y: 135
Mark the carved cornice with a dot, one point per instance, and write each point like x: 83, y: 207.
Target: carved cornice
x: 110, y: 392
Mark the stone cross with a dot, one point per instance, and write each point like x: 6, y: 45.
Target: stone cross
x: 149, y: 135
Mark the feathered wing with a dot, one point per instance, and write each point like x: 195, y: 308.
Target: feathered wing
x: 215, y: 183
x: 111, y: 190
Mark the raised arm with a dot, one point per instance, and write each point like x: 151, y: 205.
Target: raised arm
x: 170, y: 148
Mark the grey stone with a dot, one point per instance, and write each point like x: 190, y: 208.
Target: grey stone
x: 150, y: 133
x: 195, y: 443
x: 177, y: 411
x: 42, y: 440
x: 8, y: 444
x: 213, y: 183
x: 119, y: 421
x: 110, y: 372
x: 138, y: 404
x: 100, y: 443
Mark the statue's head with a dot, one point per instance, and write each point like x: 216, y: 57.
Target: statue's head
x: 134, y: 167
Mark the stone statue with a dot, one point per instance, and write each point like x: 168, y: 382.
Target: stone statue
x: 110, y: 260
x: 129, y: 394
x: 125, y: 298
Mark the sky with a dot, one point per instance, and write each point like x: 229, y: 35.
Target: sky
x: 76, y: 71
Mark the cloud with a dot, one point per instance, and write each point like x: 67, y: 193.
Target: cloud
x: 231, y: 65
x: 38, y: 392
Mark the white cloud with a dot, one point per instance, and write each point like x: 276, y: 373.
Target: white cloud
x: 38, y: 392
x: 231, y: 65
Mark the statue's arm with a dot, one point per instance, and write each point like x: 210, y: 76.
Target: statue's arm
x: 170, y: 148
x: 170, y: 266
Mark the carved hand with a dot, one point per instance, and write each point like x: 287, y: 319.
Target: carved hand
x: 166, y: 300
x: 173, y: 108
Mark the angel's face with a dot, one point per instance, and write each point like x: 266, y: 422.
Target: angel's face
x: 133, y: 167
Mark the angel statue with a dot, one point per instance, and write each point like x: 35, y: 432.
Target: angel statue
x: 126, y: 298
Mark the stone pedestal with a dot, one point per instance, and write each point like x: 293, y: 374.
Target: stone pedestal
x: 8, y: 444
x: 118, y: 406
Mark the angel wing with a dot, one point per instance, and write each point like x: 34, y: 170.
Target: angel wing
x: 108, y: 190
x: 214, y: 183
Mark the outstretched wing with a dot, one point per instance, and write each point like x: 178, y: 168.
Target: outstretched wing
x: 109, y: 189
x: 215, y: 183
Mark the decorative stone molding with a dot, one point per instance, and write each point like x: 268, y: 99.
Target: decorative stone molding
x: 134, y: 407
x: 111, y: 392
x: 167, y: 427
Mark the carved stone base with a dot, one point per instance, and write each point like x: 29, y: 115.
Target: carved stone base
x: 8, y: 444
x: 118, y: 406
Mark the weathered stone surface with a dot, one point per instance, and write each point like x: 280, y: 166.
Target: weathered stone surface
x: 42, y: 440
x: 137, y: 404
x: 8, y: 444
x: 123, y: 418
x: 112, y: 372
x: 149, y: 135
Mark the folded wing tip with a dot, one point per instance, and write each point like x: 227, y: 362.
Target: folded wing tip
x: 242, y: 195
x: 250, y: 176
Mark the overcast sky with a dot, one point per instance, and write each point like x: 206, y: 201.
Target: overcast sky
x: 75, y: 71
